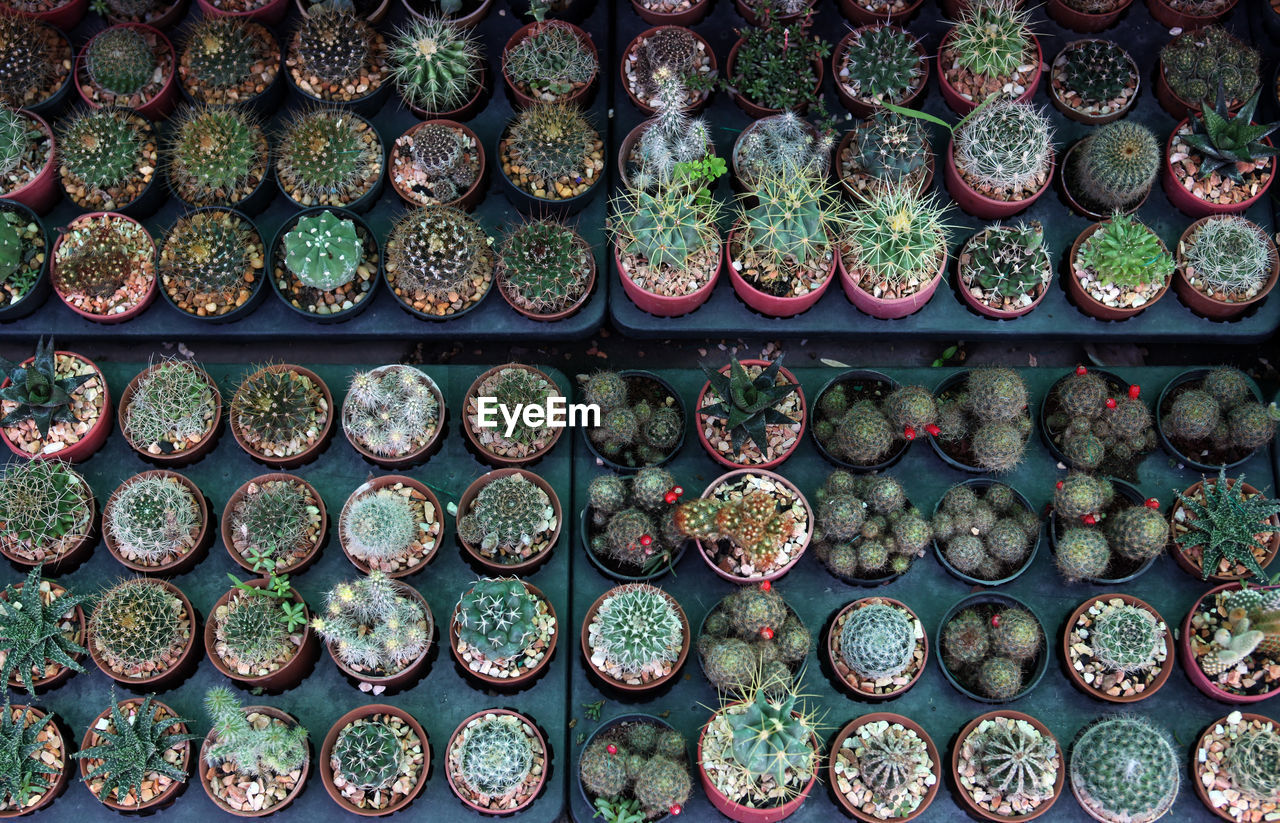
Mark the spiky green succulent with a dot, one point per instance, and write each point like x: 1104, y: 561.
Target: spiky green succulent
x: 370, y: 754
x: 746, y: 402
x: 1125, y: 768
x: 40, y: 395
x: 120, y: 61
x: 276, y: 749
x: 1009, y: 261
x: 216, y: 156
x: 1125, y: 252
x: 103, y: 149
x: 31, y: 631
x: 1225, y: 141
x: 881, y: 64
x: 639, y: 629
x: 278, y: 408
x: 495, y: 754
x: 327, y: 157
x: 552, y: 61
x: 223, y: 57
x: 436, y: 64
x: 992, y: 39
x: 897, y: 235
x: 1097, y: 70
x: 1116, y: 165
x: 790, y: 220
x: 134, y: 749
x: 23, y: 774
x: 1226, y: 524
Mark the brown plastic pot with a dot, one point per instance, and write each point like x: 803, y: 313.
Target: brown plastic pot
x: 703, y: 98
x: 453, y: 778
x: 907, y: 723
x: 1077, y: 204
x: 407, y: 675
x: 784, y: 372
x: 981, y: 307
x: 312, y: 451
x: 171, y: 14
x: 1210, y: 307
x: 754, y: 110
x: 184, y: 562
x: 158, y: 106
x: 855, y: 13
x: 736, y: 811
x: 1193, y: 567
x: 312, y: 554
x: 779, y: 479
x: 59, y: 780
x: 1082, y: 21
x: 105, y: 319
x: 171, y: 676
x: 63, y: 674
x: 697, y: 10
x: 862, y: 108
x: 288, y: 675
x: 506, y: 683
x: 75, y: 554
x: 1198, y: 773
x: 375, y: 483
x: 962, y: 106
x: 978, y: 204
x: 1055, y: 95
x: 41, y: 192
x: 429, y: 448
x: 470, y: 198
x: 93, y: 439
x: 466, y: 21
x: 1085, y: 302
x: 661, y: 305
x: 1193, y: 206
x: 268, y: 13
x: 527, y: 566
x: 64, y: 16
x: 190, y: 454
x: 633, y: 689
x: 748, y: 12
x: 967, y: 801
x: 326, y: 756
x: 1179, y: 107
x: 374, y: 17
x: 1171, y: 19
x: 563, y: 313
x: 174, y: 789
x: 1196, y: 674
x: 833, y: 656
x: 1077, y: 679
x: 488, y: 456
x: 884, y: 308
x: 211, y: 738
x: 520, y: 99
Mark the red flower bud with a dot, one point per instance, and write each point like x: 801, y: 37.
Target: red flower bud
x: 766, y: 633
x: 932, y: 429
x: 646, y: 540
x: 611, y: 749
x: 1111, y: 402
x: 1089, y: 520
x: 909, y: 432
x: 766, y: 586
x: 1081, y: 370
x: 676, y: 808
x: 995, y: 621
x: 1152, y: 503
x: 670, y: 497
x: 1059, y: 484
x: 1134, y: 391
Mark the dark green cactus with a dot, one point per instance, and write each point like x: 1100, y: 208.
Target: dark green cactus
x: 369, y: 753
x: 120, y: 61
x: 1097, y: 70
x: 880, y: 65
x: 496, y: 617
x: 1115, y: 166
x: 1008, y: 261
x: 1196, y: 62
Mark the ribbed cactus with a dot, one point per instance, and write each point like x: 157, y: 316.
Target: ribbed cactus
x: 496, y: 754
x: 323, y: 250
x: 769, y: 739
x: 992, y: 39
x: 1125, y: 769
x: 878, y: 641
x: 1014, y: 759
x: 1253, y: 762
x: 369, y: 754
x: 897, y: 235
x: 27, y: 69
x: 210, y: 253
x: 273, y: 521
x: 1196, y: 62
x: 639, y: 629
x: 789, y: 220
x: 381, y: 525
x: 551, y: 141
x: 1126, y: 638
x: 221, y: 57
x: 103, y: 149
x: 1016, y: 632
x: 666, y: 228
x: 890, y: 148
x: 965, y: 640
x: 334, y: 46
x: 1006, y: 146
x: 1009, y: 261
x: 436, y: 64
x: 250, y: 632
x: 1116, y: 165
x: 1228, y: 254
x: 439, y: 250
x: 544, y: 265
x: 277, y: 408
x: 216, y: 156
x: 119, y: 60
x: 139, y: 626
x: 507, y: 515
x: 327, y: 156
x: 889, y: 758
x: 373, y: 623
x: 274, y: 750
x: 881, y: 65
x: 153, y: 519
x: 44, y: 505
x: 496, y: 617
x: 1097, y: 70
x: 551, y: 61
x: 1125, y: 252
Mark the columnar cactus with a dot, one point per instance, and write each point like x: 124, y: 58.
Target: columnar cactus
x: 671, y: 140
x: 992, y: 39
x: 1125, y: 769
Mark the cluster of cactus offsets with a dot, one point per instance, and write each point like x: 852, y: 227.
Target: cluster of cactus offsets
x: 250, y: 633
x: 44, y: 505
x: 1097, y: 70
x: 545, y: 266
x: 1220, y: 415
x: 496, y: 755
x: 671, y: 141
x: 1196, y: 63
x: 624, y: 512
x: 211, y: 258
x: 1114, y: 167
x: 277, y: 408
x: 26, y: 67
x: 1125, y: 768
x: 24, y: 778
x: 1227, y: 525
x: 274, y: 521
x: 1127, y: 638
x: 639, y: 630
x: 391, y: 411
x: 1008, y: 262
x: 985, y: 535
x: 989, y: 647
x: 890, y: 758
x: 138, y: 626
x: 440, y: 153
x: 173, y: 403
x: 333, y: 46
x: 276, y: 749
x: 373, y: 624
x: 553, y: 144
x: 101, y: 150
x: 1251, y: 762
x: 772, y: 737
x: 881, y: 65
x: 31, y: 629
x: 1095, y: 534
x: 136, y: 747
x: 382, y: 525
x: 1005, y: 147
x: 670, y: 229
x: 507, y: 516
x: 864, y: 432
x: 638, y: 760
x: 437, y: 251
x: 890, y: 148
x: 119, y: 60
x: 752, y: 524
x: 437, y: 65
x: 222, y: 54
x: 989, y: 416
x: 1252, y: 626
x: 1099, y: 430
x: 878, y: 641
x: 323, y: 250
x: 1228, y: 254
x: 327, y: 156
x: 1124, y: 252
x: 153, y: 519
x: 866, y: 527
x: 216, y: 156
x: 898, y: 236
x: 788, y: 220
x: 633, y: 431
x: 992, y: 39
x: 783, y: 145
x: 1013, y: 759
x: 369, y: 755
x: 752, y: 637
x: 672, y: 53
x: 551, y: 62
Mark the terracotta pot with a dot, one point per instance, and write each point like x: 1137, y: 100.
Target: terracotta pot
x: 1198, y: 773
x: 521, y: 100
x: 1212, y: 308
x: 86, y: 446
x: 755, y: 110
x: 1083, y: 21
x: 747, y: 10
x: 519, y: 681
x: 1055, y: 95
x: 326, y: 755
x: 962, y: 106
x: 736, y: 811
x: 382, y: 482
x: 1193, y: 206
x: 887, y: 308
x: 288, y: 675
x: 172, y: 14
x: 1078, y: 204
x: 981, y: 484
x: 772, y: 305
x: 1077, y: 679
x: 724, y: 461
x: 661, y: 305
x: 694, y: 14
x: 467, y: 110
x: 163, y: 101
x: 466, y: 21
x: 104, y: 319
x: 632, y: 689
x: 41, y: 192
x: 184, y: 562
x: 1196, y: 674
x: 1178, y: 107
x: 470, y: 198
x: 59, y: 784
x: 1202, y: 462
x: 703, y: 98
x: 832, y: 654
x: 311, y: 452
x: 500, y: 460
x: 192, y: 453
x: 776, y: 573
x: 427, y: 450
x: 527, y: 566
x: 861, y: 108
x: 888, y: 717
x: 855, y: 13
x: 225, y: 529
x: 452, y: 778
x: 1193, y: 567
x: 63, y: 674
x: 863, y: 376
x: 65, y: 16
x: 211, y: 738
x: 980, y: 306
x: 1000, y: 600
x: 269, y: 13
x: 74, y: 555
x: 565, y: 312
x: 174, y: 789
x: 978, y: 204
x: 374, y: 17
x: 1085, y: 302
x: 926, y: 182
x: 1171, y: 19
x: 967, y: 801
x: 407, y: 676
x: 171, y: 676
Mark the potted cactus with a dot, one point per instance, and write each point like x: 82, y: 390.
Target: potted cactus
x: 255, y: 760
x: 218, y: 156
x: 136, y: 755
x: 750, y: 413
x: 329, y: 157
x: 24, y: 253
x: 282, y: 415
x: 659, y: 785
x: 752, y: 635
x: 876, y: 648
x: 274, y: 522
x: 142, y: 633
x: 42, y: 626
x: 879, y: 63
x: 497, y: 736
x: 375, y: 760
x: 509, y: 520
x: 160, y: 14
x: 659, y: 55
x: 325, y: 264
x: 671, y: 149
x: 62, y: 14
x: 635, y: 638
x: 229, y: 61
x: 439, y: 263
x: 866, y: 12
x: 108, y: 160
x: 55, y: 404
x: 546, y: 270
x: 642, y: 421
x: 1193, y: 65
x: 1226, y: 265
x: 38, y: 752
x: 259, y: 634
x: 852, y: 536
x: 894, y: 251
x: 992, y: 648
x: 211, y: 263
x: 886, y: 151
x: 1228, y: 642
x: 623, y: 524
x: 758, y: 755
x: 130, y: 65
x: 1117, y: 648
x: 1236, y: 753
x: 438, y: 161
x: 775, y: 66
x: 338, y: 58
x: 266, y: 12
x: 1118, y: 268
x: 1103, y: 531
x: 1124, y: 768
x: 549, y: 62
x: 1093, y: 81
x: 37, y: 76
x: 48, y: 511
x: 983, y: 419
x: 1008, y: 766
x: 1004, y: 271
x: 785, y: 143
x: 865, y: 421
x: 751, y: 525
x: 28, y: 168
x: 438, y: 67
x: 1189, y: 14
x: 377, y: 630
x: 393, y: 415
x: 392, y: 523
x: 510, y: 385
x: 883, y: 766
x: 1192, y: 408
x: 1000, y: 159
x: 503, y: 632
x: 985, y: 532
x: 1219, y: 162
x: 756, y: 12
x: 1086, y: 15
x: 551, y: 158
x: 1224, y: 529
x: 1111, y: 170
x: 104, y: 267
x: 170, y: 412
x: 671, y: 12
x: 1093, y: 421
x: 157, y: 523
x: 991, y: 49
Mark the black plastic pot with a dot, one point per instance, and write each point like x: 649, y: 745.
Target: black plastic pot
x: 1042, y: 414
x: 984, y: 483
x: 624, y: 469
x: 856, y: 374
x: 1042, y: 662
x: 362, y: 203
x: 258, y: 293
x: 53, y: 105
x: 265, y: 104
x: 255, y: 203
x: 526, y: 203
x: 584, y: 537
x: 149, y: 201
x: 606, y: 726
x: 323, y: 319
x: 39, y: 291
x: 946, y: 385
x: 366, y: 106
x: 1129, y: 492
x: 432, y: 317
x: 1189, y: 376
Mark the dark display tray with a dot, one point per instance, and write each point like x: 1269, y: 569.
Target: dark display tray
x: 440, y: 701
x: 946, y: 316
x: 493, y: 319
x: 929, y: 591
